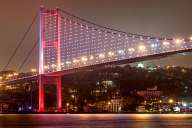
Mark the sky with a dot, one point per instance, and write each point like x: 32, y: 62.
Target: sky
x: 167, y: 18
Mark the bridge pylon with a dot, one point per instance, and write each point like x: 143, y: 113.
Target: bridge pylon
x: 47, y: 80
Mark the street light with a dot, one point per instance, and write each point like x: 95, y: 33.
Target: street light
x: 10, y: 75
x: 140, y: 65
x: 109, y: 106
x: 73, y: 96
x: 109, y: 103
x: 185, y: 105
x: 67, y: 104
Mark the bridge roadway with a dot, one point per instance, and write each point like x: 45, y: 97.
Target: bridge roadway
x: 91, y: 67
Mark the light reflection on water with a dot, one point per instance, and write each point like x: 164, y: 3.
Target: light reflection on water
x: 96, y: 121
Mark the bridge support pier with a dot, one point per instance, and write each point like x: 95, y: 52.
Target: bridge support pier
x: 59, y: 94
x: 41, y: 94
x: 44, y: 80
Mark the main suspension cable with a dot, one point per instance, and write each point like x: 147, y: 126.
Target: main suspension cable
x: 107, y: 28
x: 20, y: 43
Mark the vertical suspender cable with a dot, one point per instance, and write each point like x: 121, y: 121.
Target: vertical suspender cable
x: 28, y: 55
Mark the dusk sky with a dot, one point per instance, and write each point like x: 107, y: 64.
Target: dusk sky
x: 167, y: 18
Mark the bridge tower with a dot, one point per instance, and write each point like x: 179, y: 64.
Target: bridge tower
x: 49, y: 40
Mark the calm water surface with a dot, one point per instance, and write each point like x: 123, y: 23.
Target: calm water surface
x: 96, y: 121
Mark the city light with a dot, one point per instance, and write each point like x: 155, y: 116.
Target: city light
x: 185, y: 104
x: 53, y: 66
x: 15, y: 74
x: 46, y: 67
x: 67, y: 104
x: 10, y: 75
x: 183, y: 70
x: 33, y: 70
x: 72, y: 96
x: 170, y: 101
x: 140, y: 65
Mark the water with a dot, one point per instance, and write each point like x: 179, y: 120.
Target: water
x: 96, y: 121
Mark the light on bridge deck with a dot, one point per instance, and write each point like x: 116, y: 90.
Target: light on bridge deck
x: 178, y: 41
x: 142, y: 48
x: 131, y: 50
x: 190, y: 38
x: 101, y: 55
x: 68, y: 62
x: 84, y: 59
x: 110, y: 54
x: 166, y: 43
x: 154, y: 45
x: 91, y: 57
x: 121, y: 52
x: 75, y: 61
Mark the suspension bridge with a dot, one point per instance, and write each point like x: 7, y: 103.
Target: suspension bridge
x: 68, y: 44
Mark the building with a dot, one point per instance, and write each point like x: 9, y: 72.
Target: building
x: 150, y: 93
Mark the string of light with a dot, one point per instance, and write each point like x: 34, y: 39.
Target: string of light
x: 84, y: 43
